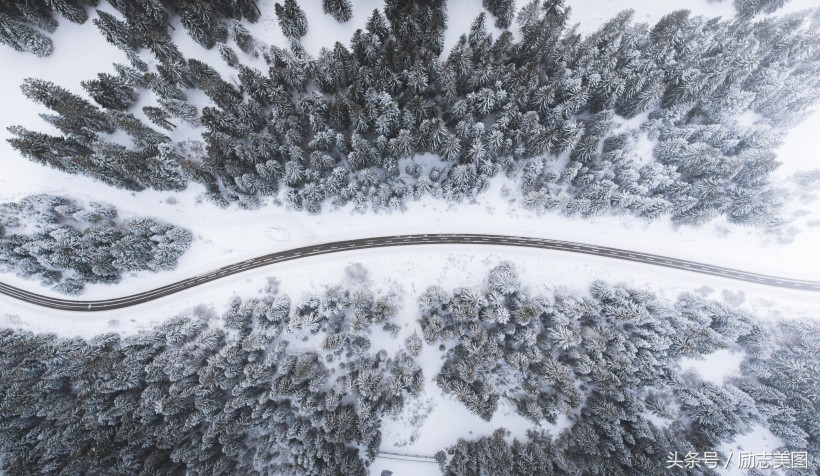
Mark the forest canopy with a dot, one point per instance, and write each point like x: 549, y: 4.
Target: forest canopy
x: 67, y: 244
x: 274, y: 385
x: 389, y: 116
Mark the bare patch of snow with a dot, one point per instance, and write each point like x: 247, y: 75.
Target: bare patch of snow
x: 714, y: 367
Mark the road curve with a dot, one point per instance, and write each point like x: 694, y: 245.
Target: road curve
x: 405, y: 240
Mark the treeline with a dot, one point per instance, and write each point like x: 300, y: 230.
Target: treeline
x: 208, y: 394
x: 750, y: 8
x: 25, y: 24
x: 609, y: 363
x: 272, y: 387
x: 354, y: 124
x: 67, y: 244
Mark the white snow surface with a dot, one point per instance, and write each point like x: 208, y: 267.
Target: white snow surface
x: 714, y: 367
x: 228, y: 235
x: 224, y: 236
x: 410, y: 271
x: 757, y: 441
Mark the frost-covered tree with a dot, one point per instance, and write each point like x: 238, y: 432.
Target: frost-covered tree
x: 203, y: 22
x: 78, y: 114
x: 609, y: 360
x: 292, y: 19
x: 111, y: 92
x: 490, y: 105
x: 503, y: 10
x: 341, y: 10
x: 23, y: 23
x: 23, y: 37
x: 749, y: 8
x: 205, y: 393
x: 67, y: 244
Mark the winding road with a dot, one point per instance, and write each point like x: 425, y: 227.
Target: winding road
x: 405, y: 240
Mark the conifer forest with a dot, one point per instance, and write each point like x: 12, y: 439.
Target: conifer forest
x: 309, y: 222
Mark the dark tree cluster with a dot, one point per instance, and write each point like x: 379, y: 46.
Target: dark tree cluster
x: 341, y: 10
x: 66, y: 244
x: 502, y: 10
x: 359, y: 123
x: 784, y: 381
x: 292, y: 19
x: 202, y: 395
x: 83, y: 148
x: 143, y: 24
x: 749, y: 8
x: 25, y: 24
x: 609, y: 362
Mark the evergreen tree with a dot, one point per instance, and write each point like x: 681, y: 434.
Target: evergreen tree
x: 749, y: 8
x: 22, y: 23
x: 66, y: 244
x: 503, y: 10
x: 292, y: 19
x: 341, y: 10
x: 159, y: 117
x: 494, y: 104
x: 203, y: 23
x: 79, y: 113
x: 111, y: 92
x: 187, y: 396
x: 23, y: 37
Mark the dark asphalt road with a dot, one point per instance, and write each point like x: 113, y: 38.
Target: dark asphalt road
x: 404, y: 240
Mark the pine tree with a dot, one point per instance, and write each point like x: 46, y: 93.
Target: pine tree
x: 341, y: 10
x: 243, y: 39
x: 748, y: 8
x: 503, y: 10
x: 159, y: 117
x: 22, y: 37
x: 292, y: 19
x: 121, y: 35
x: 71, y: 10
x: 77, y: 244
x: 111, y: 92
x: 203, y: 24
x: 229, y: 55
x: 182, y: 110
x: 80, y: 113
x: 21, y: 22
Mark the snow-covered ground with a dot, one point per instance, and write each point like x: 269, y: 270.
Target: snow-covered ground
x: 435, y: 420
x: 229, y: 235
x: 224, y: 236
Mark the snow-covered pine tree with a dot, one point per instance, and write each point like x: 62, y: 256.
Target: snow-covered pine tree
x: 292, y: 19
x: 77, y: 111
x: 111, y: 92
x: 341, y: 10
x: 22, y: 23
x: 502, y: 10
x: 747, y: 9
x: 23, y: 37
x: 203, y: 23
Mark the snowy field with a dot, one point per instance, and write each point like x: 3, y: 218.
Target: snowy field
x: 436, y: 419
x: 224, y: 236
